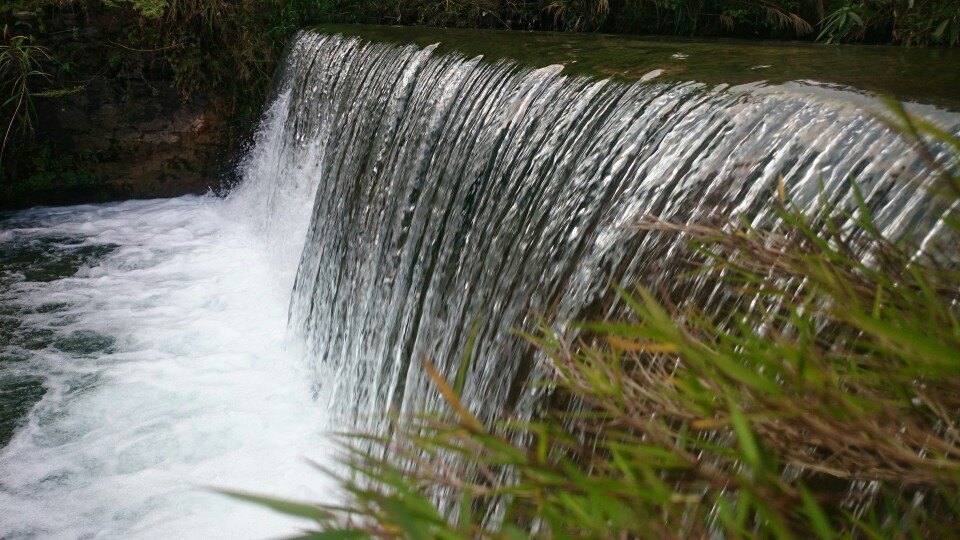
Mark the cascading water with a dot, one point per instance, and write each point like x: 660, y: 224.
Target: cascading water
x: 409, y: 200
x: 460, y: 194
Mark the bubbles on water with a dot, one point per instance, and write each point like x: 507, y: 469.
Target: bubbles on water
x: 145, y: 357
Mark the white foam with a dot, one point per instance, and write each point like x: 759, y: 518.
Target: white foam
x: 201, y: 388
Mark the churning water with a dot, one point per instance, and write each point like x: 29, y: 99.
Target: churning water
x: 395, y: 202
x: 165, y: 368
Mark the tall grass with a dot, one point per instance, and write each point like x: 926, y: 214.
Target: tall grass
x: 20, y: 64
x: 821, y: 401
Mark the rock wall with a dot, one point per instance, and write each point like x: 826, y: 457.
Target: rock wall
x: 118, y: 116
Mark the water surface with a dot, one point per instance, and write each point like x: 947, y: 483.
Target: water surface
x: 930, y: 75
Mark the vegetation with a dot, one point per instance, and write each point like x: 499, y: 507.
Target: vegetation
x: 820, y: 399
x: 907, y: 22
x: 40, y: 170
x: 19, y: 63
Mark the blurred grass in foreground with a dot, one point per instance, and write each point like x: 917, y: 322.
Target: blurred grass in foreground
x: 823, y: 402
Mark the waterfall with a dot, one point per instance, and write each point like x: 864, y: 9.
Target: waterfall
x: 456, y: 196
x: 399, y: 202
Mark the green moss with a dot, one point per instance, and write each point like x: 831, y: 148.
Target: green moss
x: 41, y: 174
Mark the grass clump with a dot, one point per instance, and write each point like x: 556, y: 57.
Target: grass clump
x: 20, y: 64
x: 820, y: 398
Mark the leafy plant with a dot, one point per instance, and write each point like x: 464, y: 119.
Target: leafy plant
x: 909, y: 22
x: 842, y: 23
x: 930, y: 23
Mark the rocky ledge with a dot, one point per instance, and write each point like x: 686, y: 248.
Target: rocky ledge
x: 110, y: 123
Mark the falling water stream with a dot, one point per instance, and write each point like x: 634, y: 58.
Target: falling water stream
x: 398, y: 198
